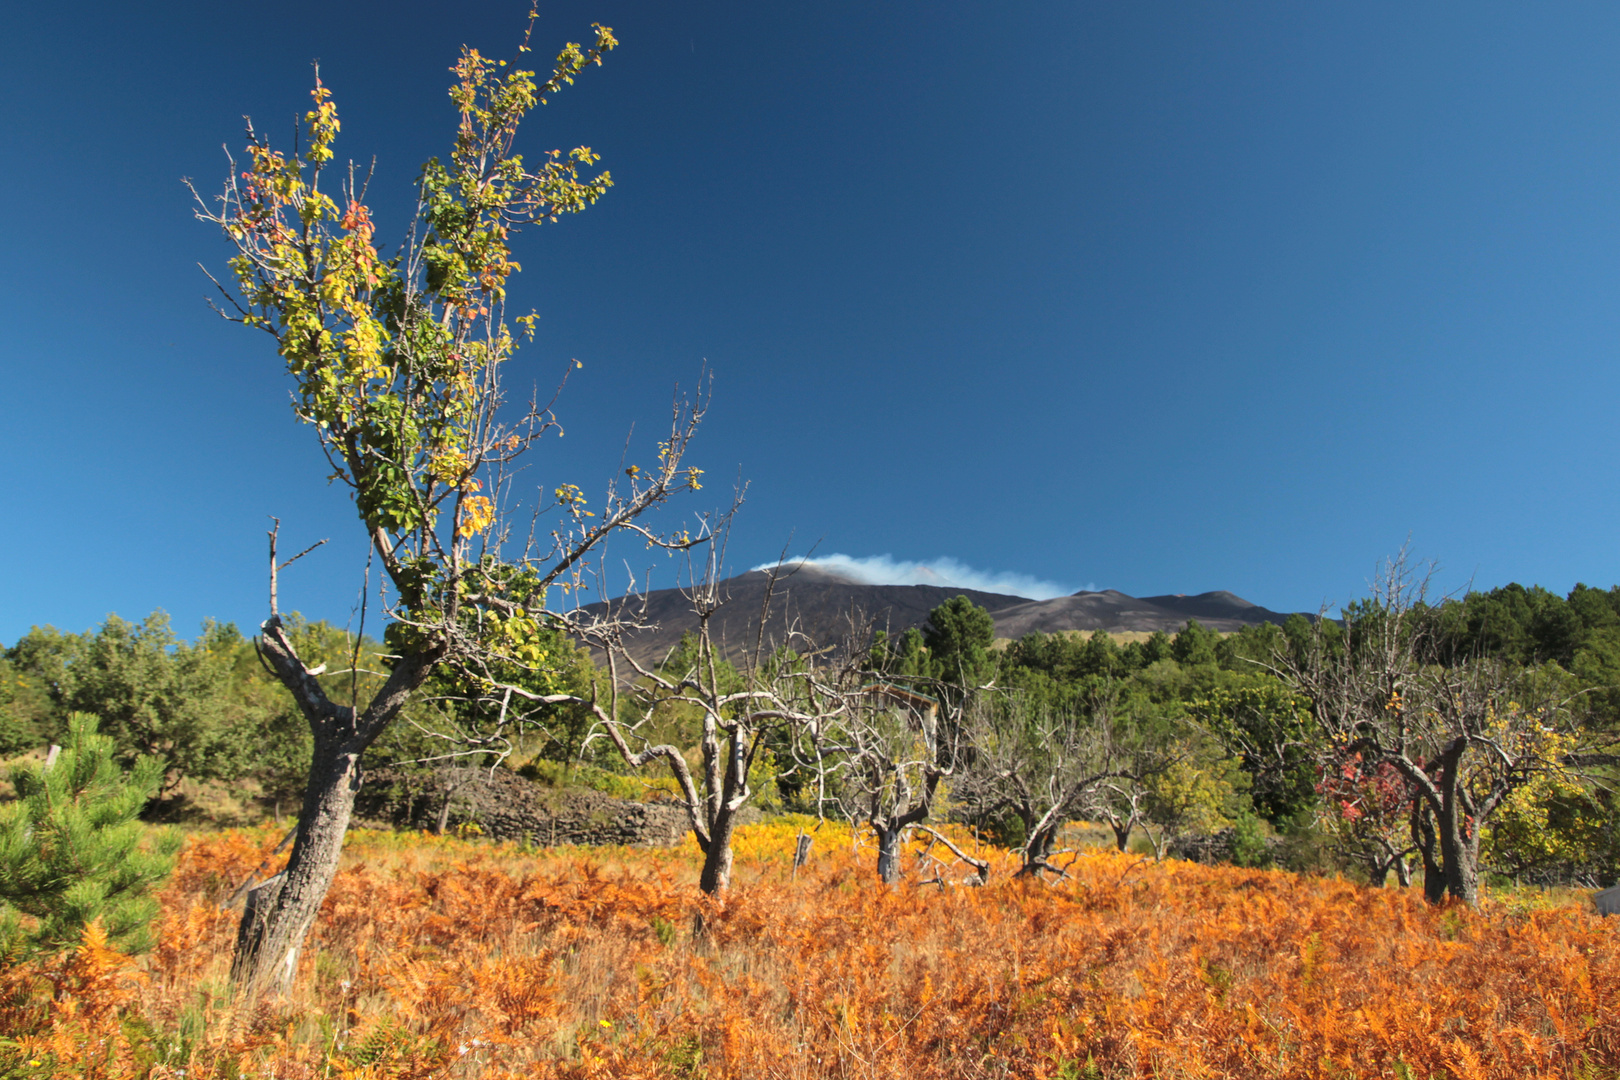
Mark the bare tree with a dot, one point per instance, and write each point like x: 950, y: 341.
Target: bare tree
x: 1044, y: 767
x: 1460, y: 735
x: 1122, y: 804
x: 779, y: 693
x: 893, y: 766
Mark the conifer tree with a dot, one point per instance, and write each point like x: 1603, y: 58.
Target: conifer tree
x: 71, y: 848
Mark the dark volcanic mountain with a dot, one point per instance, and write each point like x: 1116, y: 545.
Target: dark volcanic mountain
x: 1115, y: 612
x: 824, y: 605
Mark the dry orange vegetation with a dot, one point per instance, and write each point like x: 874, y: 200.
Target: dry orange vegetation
x: 445, y: 958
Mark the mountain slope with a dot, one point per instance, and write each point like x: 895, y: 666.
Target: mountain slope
x: 824, y: 606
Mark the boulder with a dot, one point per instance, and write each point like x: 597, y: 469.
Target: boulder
x: 1608, y: 901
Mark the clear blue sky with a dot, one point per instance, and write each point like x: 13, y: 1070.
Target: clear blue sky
x: 1159, y: 297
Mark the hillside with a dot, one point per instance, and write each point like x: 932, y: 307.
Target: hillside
x: 1116, y: 612
x: 823, y: 606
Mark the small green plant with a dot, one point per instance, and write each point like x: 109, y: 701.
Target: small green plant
x: 1218, y: 977
x: 72, y: 849
x: 1249, y: 841
x: 686, y: 1057
x: 1310, y: 958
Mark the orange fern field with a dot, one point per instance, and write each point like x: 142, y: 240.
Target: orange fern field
x: 446, y: 958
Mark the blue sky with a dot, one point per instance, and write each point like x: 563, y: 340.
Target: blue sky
x: 1157, y: 297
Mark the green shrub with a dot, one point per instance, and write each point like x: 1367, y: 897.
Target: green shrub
x: 71, y: 848
x: 1249, y: 841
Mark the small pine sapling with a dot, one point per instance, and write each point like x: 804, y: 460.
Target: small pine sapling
x: 72, y: 850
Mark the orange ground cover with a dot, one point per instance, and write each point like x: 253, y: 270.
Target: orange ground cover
x: 444, y: 958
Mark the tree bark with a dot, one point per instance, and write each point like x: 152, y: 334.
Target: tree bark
x: 1423, y: 837
x: 716, y: 876
x: 1449, y: 848
x: 888, y: 865
x: 1459, y: 844
x: 1037, y: 849
x: 1403, y: 872
x: 273, y: 928
x: 1459, y: 859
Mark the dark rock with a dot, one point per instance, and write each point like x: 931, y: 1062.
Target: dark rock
x: 1608, y: 901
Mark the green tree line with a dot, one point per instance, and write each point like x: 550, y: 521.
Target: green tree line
x: 1218, y: 737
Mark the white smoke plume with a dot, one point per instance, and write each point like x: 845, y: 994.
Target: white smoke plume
x: 943, y: 571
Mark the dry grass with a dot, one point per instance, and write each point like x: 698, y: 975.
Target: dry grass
x: 444, y: 958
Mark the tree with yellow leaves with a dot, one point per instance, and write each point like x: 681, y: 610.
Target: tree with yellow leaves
x: 397, y: 367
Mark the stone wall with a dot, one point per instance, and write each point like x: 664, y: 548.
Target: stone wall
x: 506, y: 806
x: 1217, y: 848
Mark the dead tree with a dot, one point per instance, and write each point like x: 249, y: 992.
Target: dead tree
x: 880, y: 759
x: 780, y: 693
x: 1044, y: 767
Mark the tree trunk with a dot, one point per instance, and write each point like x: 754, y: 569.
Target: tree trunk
x: 1037, y: 849
x: 888, y: 852
x: 1423, y: 837
x: 451, y: 787
x: 273, y: 928
x: 1450, y: 854
x: 716, y: 876
x: 1459, y: 851
x: 1460, y: 859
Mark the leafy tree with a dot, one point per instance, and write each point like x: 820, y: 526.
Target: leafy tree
x: 1157, y: 647
x: 18, y: 729
x: 1556, y: 828
x: 158, y: 696
x: 1194, y: 645
x: 72, y: 850
x: 1197, y: 792
x: 1367, y: 816
x: 396, y: 364
x: 31, y: 673
x: 1100, y: 656
x: 958, y: 635
x: 1249, y: 840
x: 1267, y: 726
x: 1059, y: 670
x: 454, y: 716
x: 207, y: 707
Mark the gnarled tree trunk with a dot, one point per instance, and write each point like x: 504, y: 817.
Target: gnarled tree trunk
x: 275, y: 923
x: 888, y: 862
x: 716, y: 875
x: 282, y: 910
